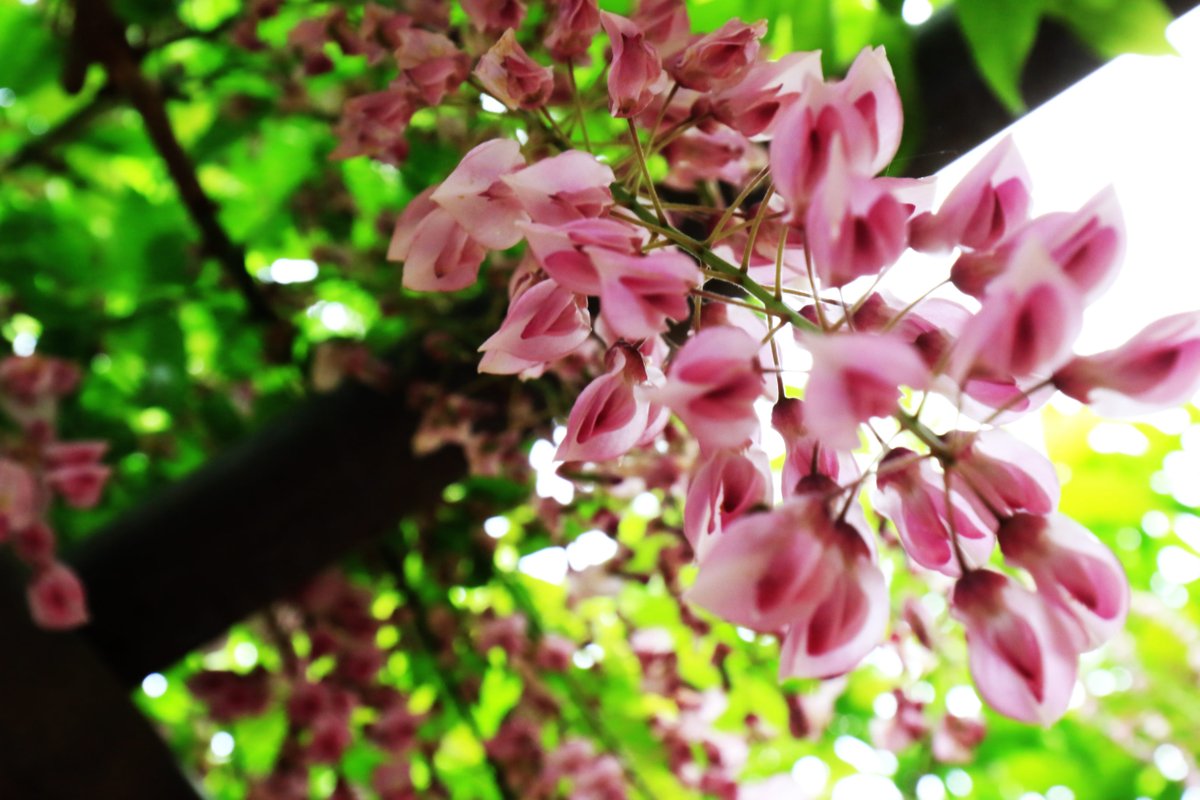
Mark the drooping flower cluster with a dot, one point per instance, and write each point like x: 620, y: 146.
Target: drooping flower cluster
x: 711, y: 310
x: 36, y: 468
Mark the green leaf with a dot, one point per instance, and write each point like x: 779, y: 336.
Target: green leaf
x: 1000, y: 34
x: 1112, y: 27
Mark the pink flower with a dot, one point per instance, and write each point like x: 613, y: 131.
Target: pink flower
x: 478, y: 199
x: 17, y: 493
x: 331, y: 736
x: 638, y: 294
x: 718, y: 153
x: 848, y: 622
x: 79, y: 484
x: 636, y: 74
x: 806, y: 460
x: 438, y: 254
x: 1020, y: 656
x: 712, y: 384
x: 563, y: 250
x: 1156, y: 369
x: 611, y: 413
x: 725, y: 487
x: 928, y: 516
x: 1087, y: 245
x: 35, y: 544
x: 1080, y: 577
x: 494, y: 16
x: 797, y: 567
x: 855, y: 227
x: 543, y: 323
x: 1005, y: 473
x: 1026, y: 326
x: 512, y: 77
x: 374, y: 124
x: 754, y: 103
x: 56, y: 599
x: 62, y: 454
x: 870, y: 89
x: 720, y: 58
x: 665, y: 24
x: 569, y: 186
x: 431, y: 62
x: 986, y: 205
x: 767, y: 570
x: 573, y: 28
x: 863, y: 111
x: 856, y: 376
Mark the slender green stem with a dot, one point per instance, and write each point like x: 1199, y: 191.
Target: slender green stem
x: 578, y: 105
x: 645, y: 168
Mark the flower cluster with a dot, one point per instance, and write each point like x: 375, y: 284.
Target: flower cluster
x: 35, y: 468
x: 766, y: 264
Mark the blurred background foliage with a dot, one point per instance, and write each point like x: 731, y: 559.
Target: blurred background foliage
x: 100, y: 263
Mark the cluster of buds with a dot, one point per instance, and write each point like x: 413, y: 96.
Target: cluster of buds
x: 325, y: 705
x: 36, y: 468
x: 774, y: 271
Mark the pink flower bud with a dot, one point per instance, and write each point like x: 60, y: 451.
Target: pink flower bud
x: 986, y: 205
x: 805, y: 457
x: 1005, y: 473
x: 855, y: 226
x: 915, y: 499
x: 1019, y: 653
x: 636, y: 75
x: 611, y: 414
x: 721, y: 58
x: 331, y: 737
x: 753, y: 104
x: 563, y: 250
x: 564, y: 188
x: 374, y: 124
x: 638, y: 294
x: 665, y: 24
x: 1027, y: 324
x: 1086, y: 244
x: 512, y: 77
x: 1073, y: 570
x: 854, y: 377
x: 431, y: 62
x: 79, y: 484
x: 1156, y: 369
x: 438, y: 254
x: 712, y: 384
x: 724, y: 488
x: 477, y: 198
x: 17, y: 493
x: 493, y: 16
x: 574, y: 26
x: 543, y: 324
x: 35, y: 544
x: 56, y: 599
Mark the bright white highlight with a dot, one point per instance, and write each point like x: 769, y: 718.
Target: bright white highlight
x: 549, y: 565
x: 549, y: 483
x: 866, y: 787
x: 245, y: 655
x: 1171, y: 762
x: 291, y: 270
x: 916, y: 12
x: 930, y: 787
x: 646, y: 506
x: 154, y: 685
x: 491, y: 104
x: 496, y: 527
x: 863, y: 757
x: 1118, y: 437
x: 959, y: 783
x: 963, y: 702
x: 24, y: 343
x: 221, y: 744
x: 812, y: 774
x: 1178, y: 565
x: 591, y: 549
